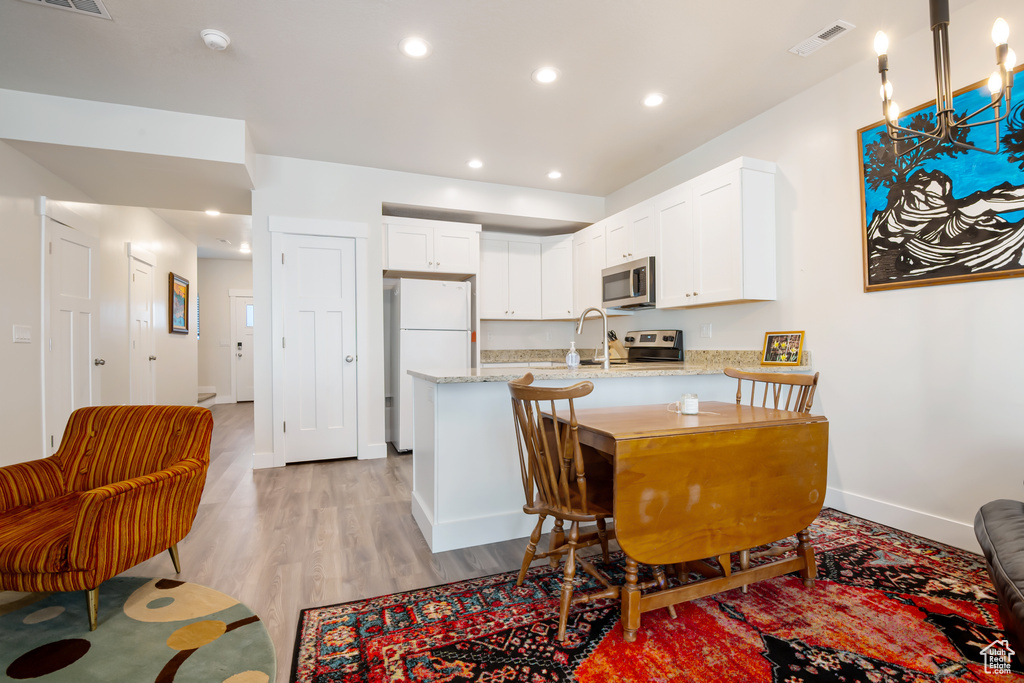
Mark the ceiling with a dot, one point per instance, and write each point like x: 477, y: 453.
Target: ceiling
x: 324, y: 80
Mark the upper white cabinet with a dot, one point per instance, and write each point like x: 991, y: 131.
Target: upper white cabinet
x: 717, y: 237
x: 509, y: 284
x: 631, y: 234
x: 588, y: 259
x: 556, y: 277
x: 433, y: 247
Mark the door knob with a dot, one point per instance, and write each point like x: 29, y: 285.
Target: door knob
x: 98, y: 361
x: 152, y: 357
x: 349, y: 359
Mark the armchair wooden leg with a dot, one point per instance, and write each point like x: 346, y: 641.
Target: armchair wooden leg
x: 745, y: 563
x: 531, y: 550
x: 602, y: 534
x: 556, y: 540
x: 92, y: 598
x: 567, y: 580
x: 173, y: 550
x: 659, y: 576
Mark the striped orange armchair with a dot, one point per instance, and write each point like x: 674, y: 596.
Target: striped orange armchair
x: 124, y: 486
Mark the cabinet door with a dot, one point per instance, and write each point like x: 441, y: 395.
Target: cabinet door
x: 524, y: 278
x: 556, y: 279
x: 588, y: 260
x: 618, y: 239
x: 674, y: 267
x: 456, y: 251
x: 643, y: 231
x: 410, y: 247
x: 718, y: 263
x: 492, y: 281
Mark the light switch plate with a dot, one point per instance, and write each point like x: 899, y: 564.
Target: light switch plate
x: 705, y: 330
x: 22, y: 334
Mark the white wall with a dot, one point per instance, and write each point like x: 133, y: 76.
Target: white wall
x: 21, y: 408
x: 21, y: 416
x: 921, y: 386
x: 311, y: 189
x: 216, y: 357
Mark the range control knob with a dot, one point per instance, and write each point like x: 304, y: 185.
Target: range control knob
x: 668, y: 338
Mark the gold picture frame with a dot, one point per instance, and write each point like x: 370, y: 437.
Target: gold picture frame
x: 783, y: 348
x: 177, y: 305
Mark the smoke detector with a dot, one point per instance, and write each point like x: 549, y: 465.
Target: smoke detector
x: 826, y: 35
x: 215, y: 40
x: 93, y: 8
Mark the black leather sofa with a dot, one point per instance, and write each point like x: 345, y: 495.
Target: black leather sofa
x: 999, y: 526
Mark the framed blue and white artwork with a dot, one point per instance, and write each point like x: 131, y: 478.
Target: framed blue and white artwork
x: 941, y: 214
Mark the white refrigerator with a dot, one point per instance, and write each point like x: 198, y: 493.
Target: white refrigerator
x: 431, y: 324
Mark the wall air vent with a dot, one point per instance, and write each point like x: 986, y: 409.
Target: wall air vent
x: 820, y: 38
x: 94, y: 8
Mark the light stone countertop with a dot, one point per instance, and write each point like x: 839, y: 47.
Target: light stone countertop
x: 695, y: 367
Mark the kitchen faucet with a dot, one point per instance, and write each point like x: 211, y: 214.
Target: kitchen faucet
x: 604, y: 334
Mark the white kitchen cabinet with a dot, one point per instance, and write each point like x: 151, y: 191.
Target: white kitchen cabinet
x: 509, y: 283
x: 556, y: 278
x: 434, y: 247
x: 631, y: 234
x: 717, y: 237
x: 588, y: 259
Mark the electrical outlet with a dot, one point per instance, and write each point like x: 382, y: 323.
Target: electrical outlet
x: 705, y: 330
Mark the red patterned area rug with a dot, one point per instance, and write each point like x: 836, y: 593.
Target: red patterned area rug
x: 887, y: 607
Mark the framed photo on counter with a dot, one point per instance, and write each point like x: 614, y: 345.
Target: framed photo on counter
x: 782, y: 348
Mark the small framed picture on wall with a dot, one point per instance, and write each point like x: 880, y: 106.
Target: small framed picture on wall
x: 782, y: 348
x: 177, y: 305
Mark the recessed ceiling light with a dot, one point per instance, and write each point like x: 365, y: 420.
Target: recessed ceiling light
x: 475, y: 163
x: 546, y: 74
x: 555, y: 175
x: 654, y: 99
x: 415, y: 47
x: 212, y: 212
x: 245, y: 248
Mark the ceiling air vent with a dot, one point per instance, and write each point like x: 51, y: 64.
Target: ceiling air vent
x: 94, y: 8
x: 820, y: 38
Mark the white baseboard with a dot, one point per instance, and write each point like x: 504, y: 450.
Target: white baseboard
x: 262, y: 461
x: 940, y: 529
x: 374, y: 451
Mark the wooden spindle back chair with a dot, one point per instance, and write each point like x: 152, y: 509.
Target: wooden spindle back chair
x: 555, y: 484
x: 784, y: 391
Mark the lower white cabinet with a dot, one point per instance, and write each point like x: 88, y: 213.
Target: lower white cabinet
x: 717, y: 237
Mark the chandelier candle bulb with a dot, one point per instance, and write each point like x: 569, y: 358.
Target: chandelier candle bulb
x: 1000, y: 31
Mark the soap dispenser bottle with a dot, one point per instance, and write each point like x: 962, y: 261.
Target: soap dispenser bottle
x: 572, y: 359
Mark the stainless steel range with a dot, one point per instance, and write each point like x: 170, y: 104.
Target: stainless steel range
x: 650, y: 346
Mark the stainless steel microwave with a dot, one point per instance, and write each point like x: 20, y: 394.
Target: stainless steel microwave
x: 629, y: 285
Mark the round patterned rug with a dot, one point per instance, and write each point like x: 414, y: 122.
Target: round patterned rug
x: 149, y: 630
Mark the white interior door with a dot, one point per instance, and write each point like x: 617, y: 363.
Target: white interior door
x: 142, y: 338
x: 319, y: 348
x: 72, y: 378
x: 241, y: 347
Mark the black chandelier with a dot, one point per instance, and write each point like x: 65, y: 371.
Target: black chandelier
x: 947, y: 125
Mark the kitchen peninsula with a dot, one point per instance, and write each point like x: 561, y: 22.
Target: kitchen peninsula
x: 467, y: 488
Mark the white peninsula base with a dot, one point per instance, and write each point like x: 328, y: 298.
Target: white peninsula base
x: 467, y: 488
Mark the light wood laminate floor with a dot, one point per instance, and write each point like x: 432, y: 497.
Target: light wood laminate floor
x: 308, y: 534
